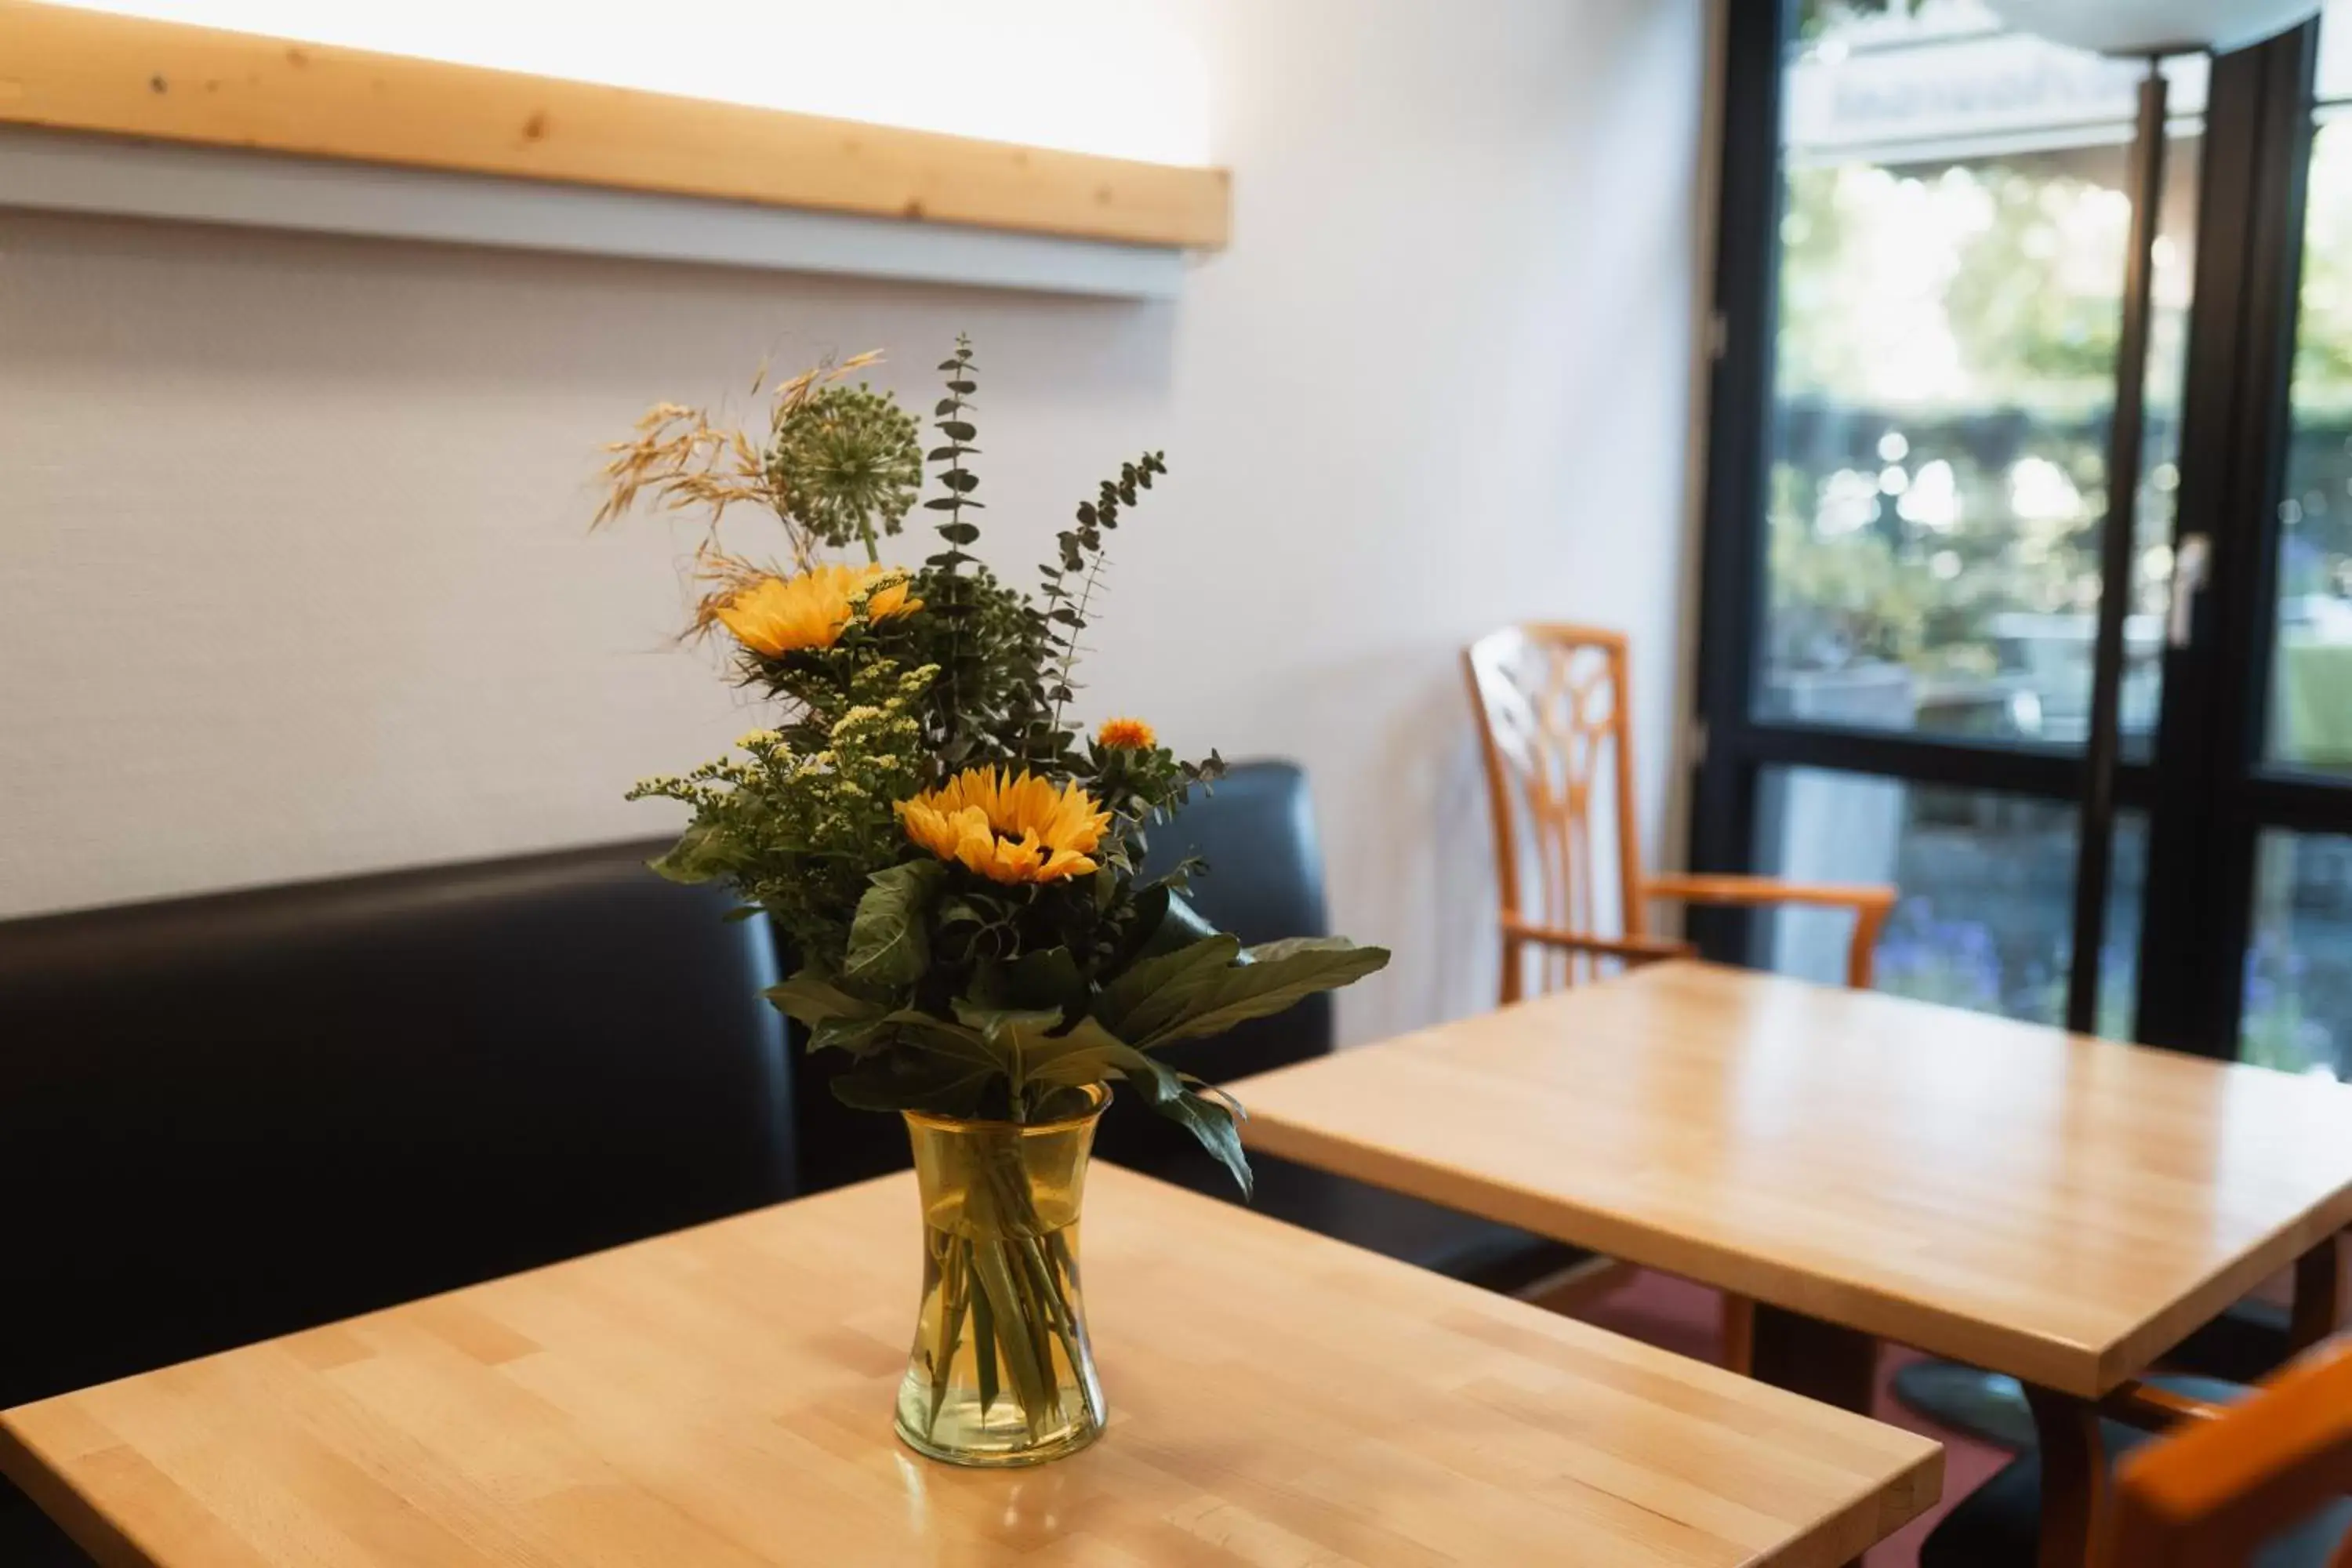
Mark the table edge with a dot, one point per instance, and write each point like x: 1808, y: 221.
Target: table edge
x: 2068, y: 1366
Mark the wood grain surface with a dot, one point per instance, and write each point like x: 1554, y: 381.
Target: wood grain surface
x: 72, y: 69
x: 722, y: 1397
x: 2060, y: 1208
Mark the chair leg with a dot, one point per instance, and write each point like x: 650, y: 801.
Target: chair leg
x: 2318, y: 1294
x: 1738, y: 1335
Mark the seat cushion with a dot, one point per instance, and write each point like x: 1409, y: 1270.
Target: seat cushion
x: 2244, y: 1344
x: 27, y: 1538
x: 1997, y: 1525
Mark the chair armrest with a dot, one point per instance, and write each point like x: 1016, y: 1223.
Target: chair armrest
x: 1632, y: 949
x: 1769, y: 890
x: 2209, y: 1493
x: 2152, y: 1408
x: 1871, y: 906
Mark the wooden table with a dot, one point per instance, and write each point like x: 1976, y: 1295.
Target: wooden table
x: 722, y: 1397
x: 2059, y: 1208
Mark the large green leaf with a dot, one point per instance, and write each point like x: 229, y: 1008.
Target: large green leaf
x: 1087, y: 1053
x: 810, y: 998
x: 1043, y: 979
x: 943, y: 1037
x: 888, y: 946
x: 1157, y: 991
x: 915, y: 1080
x: 1271, y: 977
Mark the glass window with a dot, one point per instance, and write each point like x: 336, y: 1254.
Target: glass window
x: 2298, y: 1011
x: 1986, y: 917
x: 2311, y: 681
x: 1953, y: 241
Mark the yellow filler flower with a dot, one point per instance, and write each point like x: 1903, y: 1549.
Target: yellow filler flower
x: 1129, y: 734
x: 1009, y: 827
x: 777, y: 616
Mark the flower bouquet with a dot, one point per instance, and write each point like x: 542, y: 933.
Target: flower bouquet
x: 957, y: 866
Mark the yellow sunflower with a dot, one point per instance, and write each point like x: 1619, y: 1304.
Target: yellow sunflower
x: 1009, y: 827
x: 777, y: 616
x: 1131, y: 734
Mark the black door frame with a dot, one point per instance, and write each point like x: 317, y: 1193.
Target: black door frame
x: 2206, y: 804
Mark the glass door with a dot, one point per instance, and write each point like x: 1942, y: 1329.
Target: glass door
x: 1926, y: 226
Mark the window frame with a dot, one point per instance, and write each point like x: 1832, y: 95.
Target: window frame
x: 2205, y: 804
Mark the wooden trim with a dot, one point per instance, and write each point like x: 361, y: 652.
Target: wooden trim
x: 89, y: 72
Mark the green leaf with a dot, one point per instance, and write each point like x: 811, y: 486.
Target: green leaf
x: 1158, y: 990
x: 1213, y: 1119
x: 1048, y: 977
x: 914, y: 1080
x: 856, y: 1035
x: 941, y: 1037
x: 695, y: 858
x: 1186, y: 997
x: 1182, y: 926
x: 888, y: 946
x: 1272, y: 977
x: 1087, y: 1053
x: 808, y: 998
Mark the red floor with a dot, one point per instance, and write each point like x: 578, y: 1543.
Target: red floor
x: 1675, y: 1315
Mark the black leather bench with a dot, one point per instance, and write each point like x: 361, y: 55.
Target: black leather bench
x: 230, y: 1117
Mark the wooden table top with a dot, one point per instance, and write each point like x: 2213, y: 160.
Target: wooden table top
x: 2060, y: 1208
x: 722, y: 1397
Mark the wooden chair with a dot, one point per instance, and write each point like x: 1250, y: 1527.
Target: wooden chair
x: 2232, y: 1479
x: 1554, y: 710
x: 1554, y: 713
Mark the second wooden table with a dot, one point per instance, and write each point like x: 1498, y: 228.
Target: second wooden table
x: 2059, y: 1208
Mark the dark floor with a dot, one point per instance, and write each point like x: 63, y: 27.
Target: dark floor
x: 1677, y: 1315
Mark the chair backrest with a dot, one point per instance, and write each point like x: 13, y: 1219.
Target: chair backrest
x: 229, y: 1116
x: 1555, y: 730
x: 2212, y: 1495
x: 1255, y: 832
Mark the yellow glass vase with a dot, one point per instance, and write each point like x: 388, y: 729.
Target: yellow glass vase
x: 1001, y: 1373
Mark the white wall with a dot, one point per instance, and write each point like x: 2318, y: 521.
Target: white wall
x: 293, y: 575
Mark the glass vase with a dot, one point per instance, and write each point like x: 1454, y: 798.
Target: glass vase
x: 1001, y: 1373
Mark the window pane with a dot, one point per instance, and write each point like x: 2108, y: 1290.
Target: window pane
x: 2336, y: 50
x: 1953, y: 243
x: 2299, y: 970
x: 2311, y: 677
x: 1986, y: 918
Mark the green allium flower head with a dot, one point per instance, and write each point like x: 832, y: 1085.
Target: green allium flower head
x: 847, y: 462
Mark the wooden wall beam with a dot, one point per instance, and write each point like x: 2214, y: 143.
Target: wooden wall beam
x: 91, y: 71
